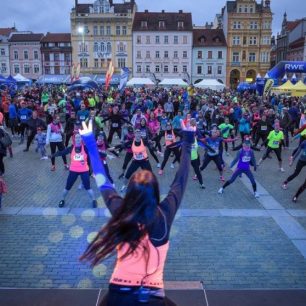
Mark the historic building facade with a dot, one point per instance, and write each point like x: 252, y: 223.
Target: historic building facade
x: 162, y: 45
x: 247, y: 27
x: 102, y: 32
x: 5, y: 51
x: 209, y: 55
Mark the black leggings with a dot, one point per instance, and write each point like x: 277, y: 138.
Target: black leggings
x: 111, y: 134
x: 217, y: 160
x: 196, y: 167
x: 301, y: 189
x: 299, y: 166
x: 237, y: 173
x: 2, y: 170
x: 107, y: 172
x: 30, y: 138
x: 143, y: 164
x: 72, y: 177
x: 259, y: 136
x: 60, y: 147
x: 167, y: 154
x: 127, y: 159
x: 277, y: 151
x: 153, y: 154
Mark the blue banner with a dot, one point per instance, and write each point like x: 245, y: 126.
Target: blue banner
x: 125, y: 72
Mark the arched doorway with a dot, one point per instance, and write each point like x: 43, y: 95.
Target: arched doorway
x: 234, y: 78
x: 251, y: 76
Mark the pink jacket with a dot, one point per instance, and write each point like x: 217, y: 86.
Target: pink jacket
x: 153, y: 126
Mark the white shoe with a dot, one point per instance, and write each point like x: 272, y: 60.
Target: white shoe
x: 158, y: 165
x: 256, y: 194
x: 80, y: 187
x: 114, y: 185
x: 44, y: 157
x: 220, y: 191
x: 123, y: 188
x: 172, y: 166
x: 227, y: 154
x: 281, y: 170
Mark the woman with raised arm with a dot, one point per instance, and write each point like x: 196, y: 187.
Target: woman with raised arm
x: 138, y: 230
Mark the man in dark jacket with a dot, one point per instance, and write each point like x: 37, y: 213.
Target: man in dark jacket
x: 285, y: 123
x: 33, y: 123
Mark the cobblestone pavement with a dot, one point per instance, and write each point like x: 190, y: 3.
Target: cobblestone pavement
x: 228, y: 241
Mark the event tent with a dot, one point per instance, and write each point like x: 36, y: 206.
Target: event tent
x: 21, y: 79
x: 210, y: 84
x: 173, y: 82
x: 299, y: 89
x: 2, y: 79
x: 139, y: 82
x: 287, y: 87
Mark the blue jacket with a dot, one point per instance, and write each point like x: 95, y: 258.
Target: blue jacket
x: 24, y: 114
x: 12, y: 111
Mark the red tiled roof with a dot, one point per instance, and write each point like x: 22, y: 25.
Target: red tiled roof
x: 26, y: 37
x: 7, y: 31
x: 171, y: 21
x: 83, y: 8
x: 57, y: 37
x: 212, y: 38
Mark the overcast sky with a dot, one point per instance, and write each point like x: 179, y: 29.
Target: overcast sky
x: 43, y: 16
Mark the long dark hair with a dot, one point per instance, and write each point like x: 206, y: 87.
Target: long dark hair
x: 130, y: 223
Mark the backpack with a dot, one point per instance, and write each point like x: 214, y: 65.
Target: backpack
x: 6, y: 140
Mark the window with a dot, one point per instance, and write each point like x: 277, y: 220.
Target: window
x: 109, y: 47
x: 108, y: 30
x: 138, y: 39
x: 175, y: 39
x: 25, y: 54
x: 246, y: 9
x: 252, y: 57
x: 161, y: 24
x: 148, y: 54
x: 144, y: 24
x: 220, y: 54
x: 121, y: 62
x: 139, y: 68
x: 16, y: 69
x: 253, y: 40
x: 251, y: 9
x: 200, y: 54
x: 157, y: 69
x: 35, y: 54
x: 2, y: 52
x: 47, y: 57
x: 199, y: 69
x: 96, y: 47
x: 209, y: 55
x: 266, y: 40
x: 3, y: 67
x: 166, y: 39
x: 185, y: 40
x: 166, y: 69
x: 138, y: 54
x: 236, y: 40
x: 67, y: 57
x: 184, y: 54
x: 166, y: 54
x: 175, y: 69
x: 118, y: 32
x: 16, y: 55
x: 240, y: 9
x: 244, y: 40
x: 175, y: 54
x: 264, y: 57
x: 102, y: 30
x: 180, y: 24
x: 219, y: 69
x: 237, y: 25
x: 157, y: 40
x: 243, y: 55
x: 209, y: 69
x: 56, y: 57
x: 124, y: 30
x: 121, y: 47
x: 157, y: 54
x: 26, y: 68
x: 102, y: 47
x: 148, y: 68
x: 147, y: 40
x: 184, y: 68
x: 253, y: 25
x: 84, y: 62
x: 235, y: 57
x: 86, y: 31
x: 95, y: 30
x: 266, y: 25
x: 96, y: 63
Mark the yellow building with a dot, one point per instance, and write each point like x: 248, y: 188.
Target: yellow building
x: 247, y: 26
x: 102, y: 32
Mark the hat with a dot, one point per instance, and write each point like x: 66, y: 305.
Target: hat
x: 130, y: 129
x: 78, y: 123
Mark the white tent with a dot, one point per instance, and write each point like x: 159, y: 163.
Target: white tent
x: 173, y: 82
x: 210, y: 84
x: 139, y: 82
x: 20, y: 78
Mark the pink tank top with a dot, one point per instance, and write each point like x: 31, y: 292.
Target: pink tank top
x: 79, y: 161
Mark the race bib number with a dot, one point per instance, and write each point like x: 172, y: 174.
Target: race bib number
x: 246, y: 159
x: 264, y: 128
x: 115, y: 125
x: 82, y: 118
x: 169, y: 137
x: 139, y: 156
x: 143, y: 134
x: 275, y: 142
x: 78, y: 157
x: 23, y: 117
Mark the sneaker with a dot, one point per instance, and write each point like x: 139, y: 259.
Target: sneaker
x: 61, y: 203
x: 26, y: 150
x: 256, y: 194
x: 158, y: 165
x: 294, y: 199
x: 285, y: 186
x: 220, y: 191
x: 202, y: 186
x: 281, y: 170
x: 123, y: 188
x: 66, y: 167
x: 80, y: 187
x: 94, y: 204
x: 195, y: 178
x: 120, y: 176
x: 172, y: 166
x: 227, y: 154
x: 222, y: 178
x: 44, y: 158
x: 53, y: 168
x: 160, y: 172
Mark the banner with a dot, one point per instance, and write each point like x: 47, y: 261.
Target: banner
x: 73, y: 72
x: 268, y: 87
x: 124, y: 78
x: 78, y: 71
x: 109, y: 74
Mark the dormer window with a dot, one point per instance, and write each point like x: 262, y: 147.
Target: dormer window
x: 162, y: 24
x: 180, y: 24
x: 202, y: 40
x: 144, y: 24
x: 217, y: 39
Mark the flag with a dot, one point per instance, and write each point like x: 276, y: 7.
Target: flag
x: 78, y: 70
x: 124, y: 78
x: 73, y: 71
x: 109, y: 74
x: 268, y: 87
